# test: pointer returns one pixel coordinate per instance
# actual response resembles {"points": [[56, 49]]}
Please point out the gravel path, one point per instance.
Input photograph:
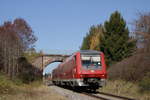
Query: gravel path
{"points": [[71, 95]]}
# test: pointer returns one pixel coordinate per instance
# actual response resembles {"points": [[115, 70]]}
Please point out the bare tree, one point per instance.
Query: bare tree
{"points": [[25, 33], [15, 38], [142, 29]]}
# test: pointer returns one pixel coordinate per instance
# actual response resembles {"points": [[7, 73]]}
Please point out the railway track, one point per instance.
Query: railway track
{"points": [[106, 96], [100, 95]]}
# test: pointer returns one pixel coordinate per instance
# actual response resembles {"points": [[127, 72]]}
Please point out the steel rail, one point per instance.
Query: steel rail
{"points": [[112, 95], [91, 95], [106, 94]]}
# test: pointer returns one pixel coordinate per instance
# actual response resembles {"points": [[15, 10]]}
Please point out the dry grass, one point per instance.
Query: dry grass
{"points": [[124, 88], [32, 92]]}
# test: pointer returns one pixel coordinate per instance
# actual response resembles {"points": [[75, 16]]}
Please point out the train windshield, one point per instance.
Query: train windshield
{"points": [[91, 61]]}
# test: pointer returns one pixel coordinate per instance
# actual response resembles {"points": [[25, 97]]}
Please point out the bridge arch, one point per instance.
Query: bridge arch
{"points": [[44, 60], [52, 61]]}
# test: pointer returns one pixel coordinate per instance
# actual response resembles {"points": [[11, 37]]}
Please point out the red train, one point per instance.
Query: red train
{"points": [[85, 68]]}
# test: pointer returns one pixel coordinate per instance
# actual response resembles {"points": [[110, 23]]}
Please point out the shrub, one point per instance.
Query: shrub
{"points": [[28, 73], [145, 84], [133, 68], [5, 84]]}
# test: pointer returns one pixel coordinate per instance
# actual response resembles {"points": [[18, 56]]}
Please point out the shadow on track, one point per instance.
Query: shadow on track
{"points": [[78, 89]]}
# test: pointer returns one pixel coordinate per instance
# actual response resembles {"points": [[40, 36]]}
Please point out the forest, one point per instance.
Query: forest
{"points": [[16, 39]]}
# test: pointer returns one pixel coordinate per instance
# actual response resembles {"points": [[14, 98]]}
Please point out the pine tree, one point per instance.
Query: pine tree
{"points": [[116, 43]]}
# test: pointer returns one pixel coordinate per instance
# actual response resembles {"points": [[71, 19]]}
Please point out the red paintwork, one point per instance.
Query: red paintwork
{"points": [[72, 69]]}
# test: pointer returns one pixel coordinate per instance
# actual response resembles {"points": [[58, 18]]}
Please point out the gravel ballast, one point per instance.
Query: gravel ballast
{"points": [[70, 95]]}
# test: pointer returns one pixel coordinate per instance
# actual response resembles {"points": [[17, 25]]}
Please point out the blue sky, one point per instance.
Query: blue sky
{"points": [[60, 25]]}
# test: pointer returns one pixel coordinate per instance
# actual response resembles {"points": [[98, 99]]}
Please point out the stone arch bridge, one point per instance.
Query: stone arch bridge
{"points": [[42, 61]]}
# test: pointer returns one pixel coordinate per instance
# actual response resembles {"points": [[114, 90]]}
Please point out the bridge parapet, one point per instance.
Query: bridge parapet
{"points": [[42, 61]]}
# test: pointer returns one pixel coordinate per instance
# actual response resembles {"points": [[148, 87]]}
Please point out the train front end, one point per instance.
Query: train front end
{"points": [[91, 69]]}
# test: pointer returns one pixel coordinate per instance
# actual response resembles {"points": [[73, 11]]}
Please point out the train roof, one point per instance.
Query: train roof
{"points": [[89, 52]]}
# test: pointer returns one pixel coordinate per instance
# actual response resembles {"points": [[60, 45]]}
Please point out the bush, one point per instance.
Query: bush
{"points": [[5, 84], [26, 77], [145, 84], [28, 73], [134, 68]]}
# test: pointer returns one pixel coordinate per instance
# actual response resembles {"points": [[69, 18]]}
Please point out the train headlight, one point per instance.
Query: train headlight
{"points": [[81, 76], [92, 71]]}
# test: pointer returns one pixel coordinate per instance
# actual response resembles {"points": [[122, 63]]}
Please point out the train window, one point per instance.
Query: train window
{"points": [[74, 60], [91, 61]]}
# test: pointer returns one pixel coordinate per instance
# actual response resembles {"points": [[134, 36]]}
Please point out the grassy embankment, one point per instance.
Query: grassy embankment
{"points": [[16, 90], [130, 77], [125, 88]]}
